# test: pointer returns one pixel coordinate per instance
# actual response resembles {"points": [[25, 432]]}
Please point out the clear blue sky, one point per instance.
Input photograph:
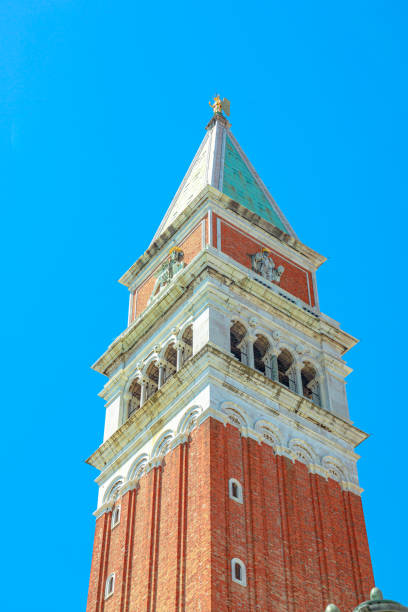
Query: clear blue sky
{"points": [[103, 105]]}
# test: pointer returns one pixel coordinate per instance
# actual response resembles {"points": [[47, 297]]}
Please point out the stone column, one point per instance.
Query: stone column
{"points": [[267, 361], [250, 349], [273, 360], [315, 388], [161, 374], [143, 384], [179, 348], [299, 387], [291, 373], [243, 347]]}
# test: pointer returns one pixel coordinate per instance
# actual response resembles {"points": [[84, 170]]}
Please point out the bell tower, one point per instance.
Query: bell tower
{"points": [[228, 476]]}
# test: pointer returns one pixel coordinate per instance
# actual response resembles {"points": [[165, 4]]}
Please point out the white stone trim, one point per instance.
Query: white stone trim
{"points": [[137, 468], [334, 468], [210, 228], [163, 443], [268, 433], [257, 408], [212, 413], [189, 420], [211, 197], [223, 292], [180, 438], [316, 464], [314, 468], [235, 415], [130, 485], [132, 296], [219, 237], [114, 489], [249, 432], [261, 235], [352, 488], [103, 508], [222, 160], [302, 451], [154, 462]]}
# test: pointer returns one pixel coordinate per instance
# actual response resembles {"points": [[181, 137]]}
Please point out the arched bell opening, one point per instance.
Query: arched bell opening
{"points": [[170, 357], [152, 375], [238, 347], [135, 391], [187, 338], [310, 384], [286, 373], [261, 346]]}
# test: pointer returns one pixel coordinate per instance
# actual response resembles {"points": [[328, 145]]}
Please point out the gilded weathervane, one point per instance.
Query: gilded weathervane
{"points": [[220, 105]]}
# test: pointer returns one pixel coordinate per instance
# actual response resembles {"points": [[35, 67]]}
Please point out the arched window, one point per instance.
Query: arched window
{"points": [[170, 357], [238, 572], [115, 516], [134, 401], [310, 384], [238, 344], [152, 374], [235, 490], [261, 346], [188, 343], [110, 585], [286, 370]]}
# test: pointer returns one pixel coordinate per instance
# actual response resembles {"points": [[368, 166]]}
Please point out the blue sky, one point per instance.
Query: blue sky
{"points": [[103, 105]]}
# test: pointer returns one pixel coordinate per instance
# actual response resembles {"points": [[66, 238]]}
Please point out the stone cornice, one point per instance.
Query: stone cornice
{"points": [[196, 372], [106, 507], [162, 242], [239, 281], [271, 229], [199, 203]]}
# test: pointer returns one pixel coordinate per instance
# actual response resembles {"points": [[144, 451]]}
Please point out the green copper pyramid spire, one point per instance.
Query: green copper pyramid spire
{"points": [[221, 163], [240, 185]]}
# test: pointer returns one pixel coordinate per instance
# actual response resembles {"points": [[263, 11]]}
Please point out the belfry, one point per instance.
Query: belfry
{"points": [[228, 472]]}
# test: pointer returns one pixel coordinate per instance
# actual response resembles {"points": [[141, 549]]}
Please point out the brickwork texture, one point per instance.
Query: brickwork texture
{"points": [[301, 537]]}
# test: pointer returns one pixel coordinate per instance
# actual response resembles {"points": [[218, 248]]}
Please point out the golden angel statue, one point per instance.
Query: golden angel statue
{"points": [[220, 105]]}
